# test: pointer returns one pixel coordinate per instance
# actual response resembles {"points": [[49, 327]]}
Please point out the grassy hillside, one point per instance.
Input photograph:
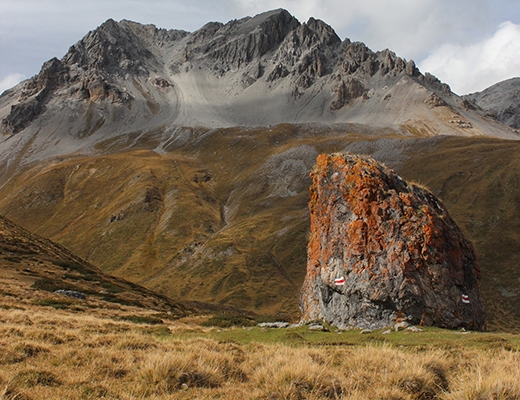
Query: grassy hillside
{"points": [[131, 353], [33, 269], [222, 215]]}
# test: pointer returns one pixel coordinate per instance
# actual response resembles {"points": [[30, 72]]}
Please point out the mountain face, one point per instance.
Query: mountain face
{"points": [[383, 251], [128, 78], [181, 161], [501, 100]]}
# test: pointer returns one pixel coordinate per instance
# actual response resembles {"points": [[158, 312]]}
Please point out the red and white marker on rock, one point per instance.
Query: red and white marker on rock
{"points": [[339, 281]]}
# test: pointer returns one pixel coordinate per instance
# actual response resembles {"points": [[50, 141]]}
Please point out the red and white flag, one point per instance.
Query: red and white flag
{"points": [[339, 281], [465, 298]]}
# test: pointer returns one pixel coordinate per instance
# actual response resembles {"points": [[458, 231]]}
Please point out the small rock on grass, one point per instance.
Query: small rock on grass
{"points": [[71, 293], [273, 324], [317, 327], [401, 325]]}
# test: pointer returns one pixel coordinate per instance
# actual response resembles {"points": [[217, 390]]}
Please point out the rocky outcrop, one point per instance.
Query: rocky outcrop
{"points": [[501, 100], [384, 251], [435, 101], [113, 48], [237, 43], [345, 91], [88, 72], [35, 95]]}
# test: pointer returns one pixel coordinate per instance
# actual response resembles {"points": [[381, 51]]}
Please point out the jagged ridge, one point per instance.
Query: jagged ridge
{"points": [[126, 77]]}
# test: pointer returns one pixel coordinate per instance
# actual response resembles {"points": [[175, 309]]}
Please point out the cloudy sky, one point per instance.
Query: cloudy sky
{"points": [[469, 44]]}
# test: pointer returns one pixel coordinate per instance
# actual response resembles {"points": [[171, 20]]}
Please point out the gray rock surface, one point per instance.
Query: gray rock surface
{"points": [[71, 293], [502, 100], [276, 325], [384, 253]]}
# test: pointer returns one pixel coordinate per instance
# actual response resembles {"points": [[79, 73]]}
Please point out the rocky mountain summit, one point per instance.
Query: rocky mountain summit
{"points": [[383, 251], [126, 78], [501, 100]]}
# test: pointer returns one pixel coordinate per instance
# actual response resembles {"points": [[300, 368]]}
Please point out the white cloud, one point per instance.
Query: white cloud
{"points": [[9, 81], [477, 66]]}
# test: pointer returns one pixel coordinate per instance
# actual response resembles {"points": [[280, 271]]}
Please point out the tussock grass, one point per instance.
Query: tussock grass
{"points": [[48, 353]]}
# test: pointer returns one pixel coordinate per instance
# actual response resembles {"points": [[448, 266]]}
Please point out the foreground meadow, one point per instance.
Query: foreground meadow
{"points": [[57, 348]]}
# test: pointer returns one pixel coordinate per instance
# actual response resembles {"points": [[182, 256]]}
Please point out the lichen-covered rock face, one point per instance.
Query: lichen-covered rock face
{"points": [[383, 251]]}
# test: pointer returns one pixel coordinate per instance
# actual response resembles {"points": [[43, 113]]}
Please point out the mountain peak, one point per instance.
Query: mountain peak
{"points": [[213, 76], [501, 100], [114, 48], [324, 30], [278, 16]]}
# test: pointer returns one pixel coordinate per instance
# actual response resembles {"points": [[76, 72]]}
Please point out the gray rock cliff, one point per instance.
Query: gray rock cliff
{"points": [[502, 100], [383, 251]]}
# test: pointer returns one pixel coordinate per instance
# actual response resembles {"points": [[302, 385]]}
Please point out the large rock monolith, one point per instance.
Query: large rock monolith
{"points": [[383, 251]]}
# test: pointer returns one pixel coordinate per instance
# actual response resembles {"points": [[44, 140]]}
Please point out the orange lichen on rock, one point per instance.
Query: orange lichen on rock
{"points": [[400, 253]]}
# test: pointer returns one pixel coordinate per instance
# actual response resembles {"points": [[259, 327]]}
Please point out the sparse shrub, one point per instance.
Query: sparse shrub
{"points": [[4, 307], [13, 259], [8, 392], [228, 320], [48, 337], [71, 265], [142, 319], [54, 303], [10, 357], [119, 300], [135, 343], [90, 391], [293, 337], [165, 374], [30, 350], [112, 288], [51, 285], [418, 387], [156, 330]]}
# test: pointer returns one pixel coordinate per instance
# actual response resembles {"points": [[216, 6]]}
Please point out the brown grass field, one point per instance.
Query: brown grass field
{"points": [[165, 227], [213, 221], [54, 347]]}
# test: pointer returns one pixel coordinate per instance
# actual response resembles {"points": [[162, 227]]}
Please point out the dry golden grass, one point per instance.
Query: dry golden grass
{"points": [[219, 207], [215, 207], [56, 354]]}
